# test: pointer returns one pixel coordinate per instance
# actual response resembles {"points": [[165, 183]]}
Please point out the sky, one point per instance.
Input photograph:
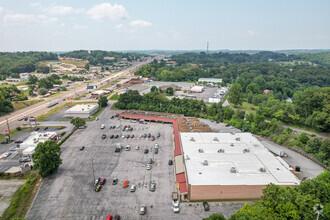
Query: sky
{"points": [[62, 25]]}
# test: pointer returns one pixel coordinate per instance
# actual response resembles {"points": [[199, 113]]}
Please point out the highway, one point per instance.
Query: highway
{"points": [[41, 107]]}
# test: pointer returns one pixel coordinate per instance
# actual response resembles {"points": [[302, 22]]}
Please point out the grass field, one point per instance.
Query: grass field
{"points": [[23, 104], [74, 62], [114, 97], [247, 107], [44, 117], [108, 84], [23, 197]]}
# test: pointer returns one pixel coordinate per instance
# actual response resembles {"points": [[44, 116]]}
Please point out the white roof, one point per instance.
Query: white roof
{"points": [[247, 164], [215, 80], [85, 108], [36, 137], [197, 88], [99, 92]]}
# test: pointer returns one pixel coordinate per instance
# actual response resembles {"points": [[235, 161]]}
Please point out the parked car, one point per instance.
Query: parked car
{"points": [[141, 135], [152, 187], [109, 217], [227, 125], [145, 135], [149, 135], [117, 217], [82, 148], [156, 151], [143, 209], [25, 159], [98, 188], [152, 138], [132, 136], [127, 136], [158, 134], [137, 147], [102, 126], [206, 206], [149, 167], [114, 181], [110, 127], [124, 129], [116, 136], [125, 185], [175, 206], [112, 136], [97, 181], [104, 136], [123, 136], [146, 151], [133, 188], [170, 162], [45, 128], [36, 129], [128, 147], [4, 142], [103, 181], [113, 127]]}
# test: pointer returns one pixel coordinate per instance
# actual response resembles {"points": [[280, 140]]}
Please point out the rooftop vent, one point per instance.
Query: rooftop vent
{"points": [[205, 163], [232, 132], [262, 169], [187, 157], [238, 139], [192, 139], [200, 150], [233, 170], [246, 150], [215, 139], [232, 144], [221, 150]]}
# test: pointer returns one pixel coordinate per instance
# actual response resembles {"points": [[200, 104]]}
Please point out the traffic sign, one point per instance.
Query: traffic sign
{"points": [[6, 131]]}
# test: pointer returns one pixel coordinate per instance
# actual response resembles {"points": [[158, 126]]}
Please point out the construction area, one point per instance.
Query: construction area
{"points": [[192, 125]]}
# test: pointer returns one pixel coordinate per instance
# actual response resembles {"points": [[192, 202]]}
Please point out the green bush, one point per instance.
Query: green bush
{"points": [[18, 129]]}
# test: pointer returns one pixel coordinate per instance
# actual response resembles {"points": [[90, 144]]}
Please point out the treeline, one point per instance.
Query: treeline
{"points": [[296, 203], [268, 75], [255, 123], [322, 58], [46, 83], [11, 64], [8, 95], [95, 57]]}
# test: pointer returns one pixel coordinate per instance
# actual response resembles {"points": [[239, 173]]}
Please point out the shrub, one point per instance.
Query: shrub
{"points": [[18, 129]]}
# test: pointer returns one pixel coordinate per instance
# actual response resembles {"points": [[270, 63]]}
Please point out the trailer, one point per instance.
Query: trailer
{"points": [[274, 150], [52, 104]]}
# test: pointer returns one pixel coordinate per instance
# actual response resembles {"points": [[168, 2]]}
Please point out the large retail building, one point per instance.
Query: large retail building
{"points": [[222, 166]]}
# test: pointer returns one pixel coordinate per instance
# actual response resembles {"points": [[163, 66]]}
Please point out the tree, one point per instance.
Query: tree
{"points": [[236, 95], [78, 122], [32, 79], [64, 89], [87, 66], [42, 92], [169, 91], [43, 69], [103, 101], [153, 89], [215, 217], [47, 157]]}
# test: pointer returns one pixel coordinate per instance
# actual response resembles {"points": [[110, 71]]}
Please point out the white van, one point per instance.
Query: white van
{"points": [[133, 188]]}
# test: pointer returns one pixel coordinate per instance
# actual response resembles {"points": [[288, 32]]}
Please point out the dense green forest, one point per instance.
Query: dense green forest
{"points": [[95, 57], [7, 95], [255, 123], [11, 64], [288, 202]]}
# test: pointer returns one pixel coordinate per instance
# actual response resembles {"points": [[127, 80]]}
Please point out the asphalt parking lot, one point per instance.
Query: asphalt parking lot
{"points": [[69, 194], [7, 189]]}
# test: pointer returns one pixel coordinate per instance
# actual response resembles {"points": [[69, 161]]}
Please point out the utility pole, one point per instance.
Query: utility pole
{"points": [[8, 129], [207, 48], [93, 170]]}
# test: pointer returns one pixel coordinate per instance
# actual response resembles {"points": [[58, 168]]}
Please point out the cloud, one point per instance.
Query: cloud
{"points": [[107, 11], [251, 33], [140, 23], [119, 26], [63, 10], [1, 9], [34, 4], [79, 27], [17, 19]]}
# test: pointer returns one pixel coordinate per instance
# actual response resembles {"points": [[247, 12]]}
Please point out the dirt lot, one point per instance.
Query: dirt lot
{"points": [[7, 189]]}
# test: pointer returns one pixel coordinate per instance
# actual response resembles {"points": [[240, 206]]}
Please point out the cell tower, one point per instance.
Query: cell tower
{"points": [[207, 48]]}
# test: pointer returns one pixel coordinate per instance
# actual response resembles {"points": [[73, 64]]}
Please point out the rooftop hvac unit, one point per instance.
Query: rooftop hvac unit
{"points": [[200, 150], [192, 139], [215, 139], [205, 163], [232, 144], [262, 169], [232, 132], [246, 150], [221, 150], [233, 170], [238, 139], [187, 157]]}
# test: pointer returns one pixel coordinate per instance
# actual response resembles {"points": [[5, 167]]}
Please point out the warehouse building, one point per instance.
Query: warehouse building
{"points": [[210, 80], [197, 89], [222, 166], [82, 111]]}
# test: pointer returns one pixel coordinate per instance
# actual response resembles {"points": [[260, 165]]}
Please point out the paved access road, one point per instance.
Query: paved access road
{"points": [[41, 108]]}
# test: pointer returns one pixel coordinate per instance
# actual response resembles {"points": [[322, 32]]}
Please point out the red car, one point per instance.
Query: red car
{"points": [[132, 136], [125, 126], [103, 181], [36, 129], [109, 217], [45, 128]]}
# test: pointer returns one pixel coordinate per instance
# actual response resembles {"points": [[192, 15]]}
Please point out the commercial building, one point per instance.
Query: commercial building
{"points": [[223, 166], [35, 138], [82, 111], [165, 87], [197, 89], [97, 94], [214, 99], [210, 80]]}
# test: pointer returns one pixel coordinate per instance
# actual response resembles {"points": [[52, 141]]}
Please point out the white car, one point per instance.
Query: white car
{"points": [[156, 146], [123, 136], [176, 206], [128, 147], [137, 147], [149, 167]]}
